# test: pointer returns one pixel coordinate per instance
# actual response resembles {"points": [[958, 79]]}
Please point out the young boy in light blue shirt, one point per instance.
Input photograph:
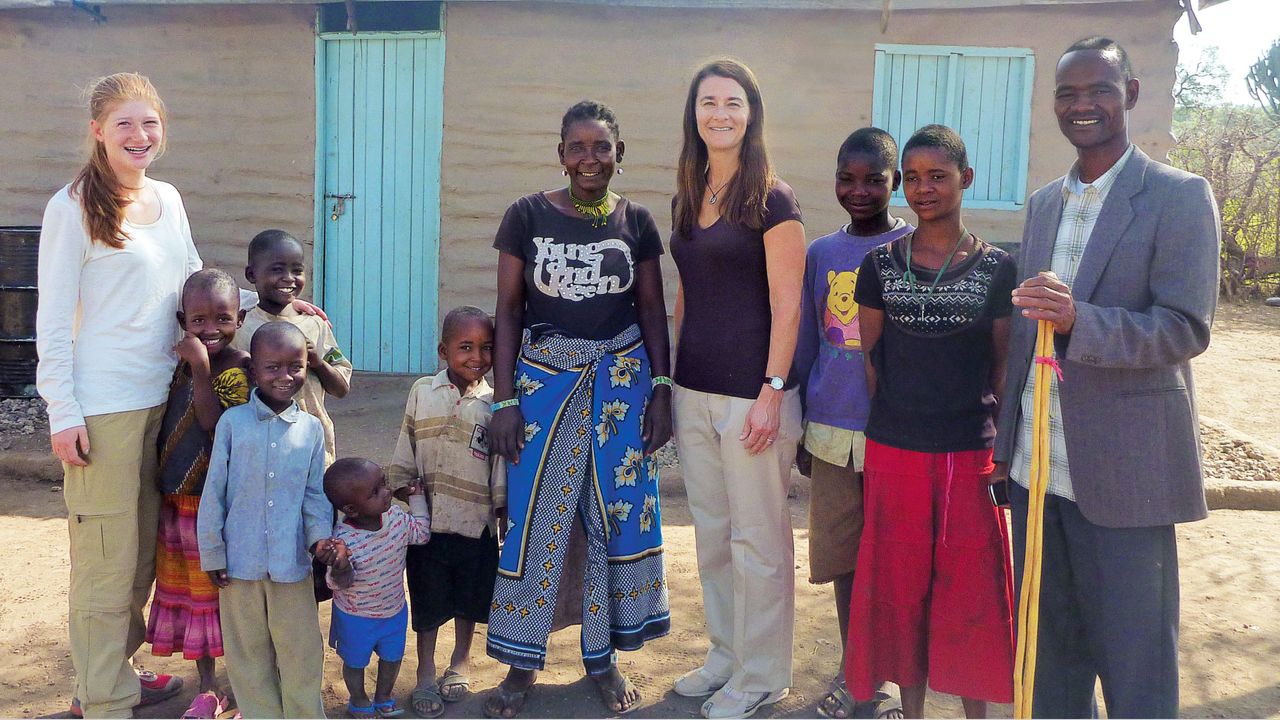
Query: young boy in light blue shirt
{"points": [[262, 515]]}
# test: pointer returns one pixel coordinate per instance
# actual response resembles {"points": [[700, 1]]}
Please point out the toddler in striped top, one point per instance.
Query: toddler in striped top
{"points": [[367, 577]]}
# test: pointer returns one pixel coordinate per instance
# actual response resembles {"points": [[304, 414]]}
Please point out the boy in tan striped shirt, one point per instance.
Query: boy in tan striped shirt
{"points": [[444, 444]]}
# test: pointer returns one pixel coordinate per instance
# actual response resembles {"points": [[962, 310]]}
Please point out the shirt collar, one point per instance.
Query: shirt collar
{"points": [[441, 380], [264, 413], [1104, 182]]}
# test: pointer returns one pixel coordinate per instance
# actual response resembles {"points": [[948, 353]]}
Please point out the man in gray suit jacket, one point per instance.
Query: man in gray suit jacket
{"points": [[1121, 255]]}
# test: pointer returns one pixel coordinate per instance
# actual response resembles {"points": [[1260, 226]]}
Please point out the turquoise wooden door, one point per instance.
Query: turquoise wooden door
{"points": [[379, 126]]}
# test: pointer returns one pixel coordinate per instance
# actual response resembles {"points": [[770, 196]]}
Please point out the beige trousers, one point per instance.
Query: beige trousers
{"points": [[113, 509], [273, 648], [746, 553]]}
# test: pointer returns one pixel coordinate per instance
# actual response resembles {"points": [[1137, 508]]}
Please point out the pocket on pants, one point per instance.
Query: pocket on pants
{"points": [[104, 558]]}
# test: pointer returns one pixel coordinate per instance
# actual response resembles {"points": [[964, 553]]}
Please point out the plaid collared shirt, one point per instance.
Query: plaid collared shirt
{"points": [[1081, 206]]}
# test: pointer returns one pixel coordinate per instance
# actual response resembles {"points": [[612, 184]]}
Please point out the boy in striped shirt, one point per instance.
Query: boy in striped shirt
{"points": [[369, 610]]}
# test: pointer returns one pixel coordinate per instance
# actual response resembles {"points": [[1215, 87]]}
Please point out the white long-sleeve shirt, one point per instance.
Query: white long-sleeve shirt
{"points": [[106, 323]]}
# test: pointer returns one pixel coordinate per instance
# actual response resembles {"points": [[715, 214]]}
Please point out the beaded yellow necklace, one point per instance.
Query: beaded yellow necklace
{"points": [[595, 210]]}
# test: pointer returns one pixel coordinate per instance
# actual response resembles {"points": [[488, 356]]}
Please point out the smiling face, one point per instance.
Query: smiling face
{"points": [[1091, 97], [863, 185], [278, 274], [132, 133], [279, 367], [468, 352], [211, 315], [722, 113], [589, 153], [933, 183]]}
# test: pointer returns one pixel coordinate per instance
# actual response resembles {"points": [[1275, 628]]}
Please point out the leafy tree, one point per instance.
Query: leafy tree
{"points": [[1201, 84], [1237, 149]]}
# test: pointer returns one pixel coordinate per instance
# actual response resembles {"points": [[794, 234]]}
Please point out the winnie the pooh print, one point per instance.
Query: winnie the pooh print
{"points": [[840, 318]]}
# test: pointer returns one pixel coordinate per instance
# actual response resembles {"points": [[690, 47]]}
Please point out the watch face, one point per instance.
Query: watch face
{"points": [[776, 383]]}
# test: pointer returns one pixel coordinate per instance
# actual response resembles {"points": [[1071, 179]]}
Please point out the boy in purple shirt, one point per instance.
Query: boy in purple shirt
{"points": [[832, 376]]}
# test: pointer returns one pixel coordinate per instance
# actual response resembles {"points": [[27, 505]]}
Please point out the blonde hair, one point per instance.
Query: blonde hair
{"points": [[99, 191]]}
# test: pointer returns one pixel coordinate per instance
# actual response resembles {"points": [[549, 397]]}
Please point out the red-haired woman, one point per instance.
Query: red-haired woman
{"points": [[115, 249], [738, 243]]}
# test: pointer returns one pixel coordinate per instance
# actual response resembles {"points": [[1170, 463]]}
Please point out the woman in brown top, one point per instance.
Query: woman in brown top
{"points": [[738, 243], [582, 401]]}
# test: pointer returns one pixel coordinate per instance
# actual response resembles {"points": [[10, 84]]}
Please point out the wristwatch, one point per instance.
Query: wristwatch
{"points": [[775, 382]]}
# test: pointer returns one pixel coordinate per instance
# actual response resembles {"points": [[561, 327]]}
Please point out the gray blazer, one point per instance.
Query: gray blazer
{"points": [[1145, 294]]}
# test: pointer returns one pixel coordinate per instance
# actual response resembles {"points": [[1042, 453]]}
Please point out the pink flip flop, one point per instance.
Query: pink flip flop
{"points": [[205, 706]]}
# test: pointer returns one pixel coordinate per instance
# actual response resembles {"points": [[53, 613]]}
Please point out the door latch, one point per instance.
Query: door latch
{"points": [[339, 205]]}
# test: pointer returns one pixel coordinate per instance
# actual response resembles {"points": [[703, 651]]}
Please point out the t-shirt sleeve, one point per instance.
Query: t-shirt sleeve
{"points": [[648, 240], [780, 206], [1002, 286], [514, 230], [332, 352], [868, 292]]}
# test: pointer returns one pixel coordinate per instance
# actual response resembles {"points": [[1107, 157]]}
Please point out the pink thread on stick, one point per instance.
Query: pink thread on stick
{"points": [[1051, 362]]}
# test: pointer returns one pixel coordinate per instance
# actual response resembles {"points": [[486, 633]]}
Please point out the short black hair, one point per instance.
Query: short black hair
{"points": [[589, 110], [870, 141], [1106, 46], [276, 333], [214, 282], [268, 239], [942, 138], [458, 318], [340, 475]]}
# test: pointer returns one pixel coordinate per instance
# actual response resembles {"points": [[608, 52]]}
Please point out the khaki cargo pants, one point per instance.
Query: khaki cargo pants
{"points": [[112, 511]]}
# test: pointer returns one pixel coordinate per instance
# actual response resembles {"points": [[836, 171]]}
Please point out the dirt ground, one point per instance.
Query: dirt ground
{"points": [[1230, 571], [1237, 378]]}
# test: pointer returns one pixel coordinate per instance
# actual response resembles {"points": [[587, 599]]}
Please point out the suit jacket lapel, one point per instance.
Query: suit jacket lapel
{"points": [[1117, 213], [1044, 233], [1037, 256]]}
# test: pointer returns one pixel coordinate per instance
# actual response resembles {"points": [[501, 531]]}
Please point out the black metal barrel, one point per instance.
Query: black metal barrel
{"points": [[19, 254]]}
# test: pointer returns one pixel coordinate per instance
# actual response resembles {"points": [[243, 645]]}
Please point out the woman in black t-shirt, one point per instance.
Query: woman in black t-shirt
{"points": [[582, 401], [932, 590], [738, 242]]}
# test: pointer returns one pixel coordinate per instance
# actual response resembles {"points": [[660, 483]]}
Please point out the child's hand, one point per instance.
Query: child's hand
{"points": [[330, 551], [502, 525], [219, 578], [341, 557], [313, 356], [415, 488], [194, 352], [804, 460]]}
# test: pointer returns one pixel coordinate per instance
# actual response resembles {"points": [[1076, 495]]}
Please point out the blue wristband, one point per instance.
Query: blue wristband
{"points": [[504, 404]]}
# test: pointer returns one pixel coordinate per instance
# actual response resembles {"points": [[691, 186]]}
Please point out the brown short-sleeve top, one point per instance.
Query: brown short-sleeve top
{"points": [[724, 338]]}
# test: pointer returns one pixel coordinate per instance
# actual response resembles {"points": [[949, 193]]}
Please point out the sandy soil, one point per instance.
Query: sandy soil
{"points": [[1230, 570], [1238, 377]]}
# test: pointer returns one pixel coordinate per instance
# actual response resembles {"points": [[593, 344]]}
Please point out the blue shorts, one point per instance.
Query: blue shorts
{"points": [[356, 638]]}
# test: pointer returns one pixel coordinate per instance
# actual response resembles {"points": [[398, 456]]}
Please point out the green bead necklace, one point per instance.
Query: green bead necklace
{"points": [[595, 210], [910, 275]]}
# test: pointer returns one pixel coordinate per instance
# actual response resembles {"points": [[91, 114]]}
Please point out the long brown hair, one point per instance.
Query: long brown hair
{"points": [[744, 197], [99, 191]]}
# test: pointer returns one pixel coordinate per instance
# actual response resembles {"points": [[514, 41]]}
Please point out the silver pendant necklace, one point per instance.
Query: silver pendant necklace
{"points": [[715, 193]]}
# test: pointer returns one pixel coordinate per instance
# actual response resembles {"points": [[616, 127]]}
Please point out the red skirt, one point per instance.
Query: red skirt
{"points": [[933, 589], [184, 610]]}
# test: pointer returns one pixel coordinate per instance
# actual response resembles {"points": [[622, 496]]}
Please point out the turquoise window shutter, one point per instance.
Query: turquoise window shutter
{"points": [[982, 93]]}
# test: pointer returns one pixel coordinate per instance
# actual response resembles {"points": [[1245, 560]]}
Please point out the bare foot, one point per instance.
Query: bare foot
{"points": [[455, 684], [508, 698], [617, 692]]}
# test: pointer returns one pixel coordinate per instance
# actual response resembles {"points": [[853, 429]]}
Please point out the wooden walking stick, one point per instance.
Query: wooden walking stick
{"points": [[1024, 673]]}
